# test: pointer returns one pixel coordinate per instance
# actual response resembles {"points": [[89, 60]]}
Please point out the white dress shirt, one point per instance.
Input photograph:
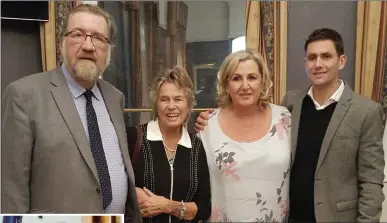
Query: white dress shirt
{"points": [[334, 98]]}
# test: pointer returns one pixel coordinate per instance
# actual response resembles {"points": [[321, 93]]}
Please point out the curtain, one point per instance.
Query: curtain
{"points": [[62, 9], [50, 31], [266, 32]]}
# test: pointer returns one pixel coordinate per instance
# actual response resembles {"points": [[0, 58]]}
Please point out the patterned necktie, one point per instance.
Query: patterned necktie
{"points": [[97, 150]]}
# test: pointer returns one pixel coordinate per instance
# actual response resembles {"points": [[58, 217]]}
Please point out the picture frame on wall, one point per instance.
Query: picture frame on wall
{"points": [[201, 73], [204, 80]]}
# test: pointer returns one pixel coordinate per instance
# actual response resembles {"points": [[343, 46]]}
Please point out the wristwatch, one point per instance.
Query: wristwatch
{"points": [[183, 209]]}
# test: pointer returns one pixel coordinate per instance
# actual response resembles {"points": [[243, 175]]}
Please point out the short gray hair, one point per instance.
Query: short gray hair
{"points": [[96, 10], [181, 79]]}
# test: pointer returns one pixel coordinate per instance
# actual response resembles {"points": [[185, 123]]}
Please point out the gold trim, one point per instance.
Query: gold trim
{"points": [[283, 45], [280, 50], [367, 36], [359, 45], [47, 39], [43, 46], [150, 110]]}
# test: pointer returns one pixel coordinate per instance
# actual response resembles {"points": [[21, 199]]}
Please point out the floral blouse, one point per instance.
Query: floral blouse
{"points": [[249, 181]]}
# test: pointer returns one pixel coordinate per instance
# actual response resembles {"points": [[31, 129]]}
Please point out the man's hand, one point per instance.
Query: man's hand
{"points": [[202, 120], [154, 205]]}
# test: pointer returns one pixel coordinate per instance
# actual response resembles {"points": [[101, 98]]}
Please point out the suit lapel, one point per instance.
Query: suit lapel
{"points": [[112, 102], [66, 106], [296, 114], [337, 117]]}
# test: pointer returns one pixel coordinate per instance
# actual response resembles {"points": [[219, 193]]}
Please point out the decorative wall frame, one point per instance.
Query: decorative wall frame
{"points": [[200, 72], [371, 38]]}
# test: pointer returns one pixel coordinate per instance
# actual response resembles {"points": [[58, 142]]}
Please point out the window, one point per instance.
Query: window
{"points": [[238, 43]]}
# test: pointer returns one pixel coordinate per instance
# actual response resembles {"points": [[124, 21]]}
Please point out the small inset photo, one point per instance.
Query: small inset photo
{"points": [[61, 218]]}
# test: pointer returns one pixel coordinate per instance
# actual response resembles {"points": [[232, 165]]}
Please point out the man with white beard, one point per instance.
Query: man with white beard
{"points": [[64, 146]]}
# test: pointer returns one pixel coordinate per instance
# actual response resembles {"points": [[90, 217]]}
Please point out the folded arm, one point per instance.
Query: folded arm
{"points": [[199, 209], [152, 205]]}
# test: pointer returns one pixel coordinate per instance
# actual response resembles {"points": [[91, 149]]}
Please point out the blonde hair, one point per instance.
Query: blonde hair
{"points": [[179, 77], [96, 10], [229, 66]]}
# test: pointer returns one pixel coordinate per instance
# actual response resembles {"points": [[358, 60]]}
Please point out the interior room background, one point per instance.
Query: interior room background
{"points": [[198, 35]]}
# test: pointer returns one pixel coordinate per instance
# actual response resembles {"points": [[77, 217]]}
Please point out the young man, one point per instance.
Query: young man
{"points": [[64, 146], [337, 153]]}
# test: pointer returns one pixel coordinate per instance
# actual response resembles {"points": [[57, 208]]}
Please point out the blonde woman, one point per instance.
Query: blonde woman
{"points": [[247, 141], [170, 165]]}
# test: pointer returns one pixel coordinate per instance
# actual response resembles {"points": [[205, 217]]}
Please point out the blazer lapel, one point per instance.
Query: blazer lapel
{"points": [[337, 117], [296, 114], [66, 106], [116, 116]]}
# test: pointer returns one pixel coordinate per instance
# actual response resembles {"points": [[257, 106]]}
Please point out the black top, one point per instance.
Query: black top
{"points": [[311, 132], [191, 181]]}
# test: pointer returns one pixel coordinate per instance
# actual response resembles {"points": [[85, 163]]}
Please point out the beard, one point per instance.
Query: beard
{"points": [[84, 69], [87, 70]]}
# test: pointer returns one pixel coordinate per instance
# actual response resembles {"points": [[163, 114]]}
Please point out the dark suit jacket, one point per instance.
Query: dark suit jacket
{"points": [[46, 160], [349, 174]]}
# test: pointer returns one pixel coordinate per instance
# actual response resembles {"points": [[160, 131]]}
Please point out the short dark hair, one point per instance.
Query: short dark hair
{"points": [[326, 34]]}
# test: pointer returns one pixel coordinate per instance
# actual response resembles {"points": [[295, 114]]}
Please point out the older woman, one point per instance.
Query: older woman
{"points": [[170, 165], [247, 141]]}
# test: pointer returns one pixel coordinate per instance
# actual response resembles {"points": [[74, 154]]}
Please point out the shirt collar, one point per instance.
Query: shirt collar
{"points": [[76, 89], [153, 133], [334, 97]]}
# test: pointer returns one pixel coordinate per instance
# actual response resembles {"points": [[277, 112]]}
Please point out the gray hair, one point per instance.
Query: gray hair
{"points": [[94, 9], [181, 79]]}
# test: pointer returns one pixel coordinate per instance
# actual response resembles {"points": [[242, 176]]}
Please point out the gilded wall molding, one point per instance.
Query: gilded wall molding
{"points": [[47, 39], [280, 50], [370, 39]]}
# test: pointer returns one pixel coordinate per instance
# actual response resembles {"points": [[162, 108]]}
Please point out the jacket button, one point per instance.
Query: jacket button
{"points": [[98, 190]]}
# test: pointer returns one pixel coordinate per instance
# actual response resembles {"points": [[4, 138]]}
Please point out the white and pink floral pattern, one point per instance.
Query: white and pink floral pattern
{"points": [[249, 181]]}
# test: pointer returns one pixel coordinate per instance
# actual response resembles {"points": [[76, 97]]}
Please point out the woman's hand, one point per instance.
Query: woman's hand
{"points": [[141, 195], [154, 205]]}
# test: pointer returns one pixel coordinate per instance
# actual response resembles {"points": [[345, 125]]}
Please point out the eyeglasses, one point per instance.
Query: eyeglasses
{"points": [[80, 37]]}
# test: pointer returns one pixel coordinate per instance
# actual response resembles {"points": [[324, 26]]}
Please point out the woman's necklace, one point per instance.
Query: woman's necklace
{"points": [[170, 152]]}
